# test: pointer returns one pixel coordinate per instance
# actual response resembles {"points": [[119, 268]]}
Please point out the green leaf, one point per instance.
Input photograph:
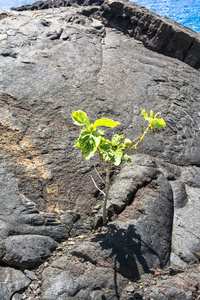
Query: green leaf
{"points": [[127, 158], [80, 118], [157, 115], [106, 151], [103, 142], [83, 138], [157, 124], [96, 136], [145, 115], [116, 138], [117, 158], [105, 122], [88, 151], [91, 128], [154, 123], [88, 142]]}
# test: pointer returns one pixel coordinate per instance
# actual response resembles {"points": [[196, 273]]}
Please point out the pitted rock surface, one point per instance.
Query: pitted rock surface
{"points": [[157, 33], [11, 281], [59, 60]]}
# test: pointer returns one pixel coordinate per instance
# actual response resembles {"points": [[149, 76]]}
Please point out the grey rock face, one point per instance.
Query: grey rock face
{"points": [[46, 193], [24, 217], [157, 33], [103, 252], [180, 195], [62, 286], [27, 251], [186, 227], [46, 4], [143, 200], [22, 227], [182, 287], [96, 75], [90, 284], [141, 226], [11, 281]]}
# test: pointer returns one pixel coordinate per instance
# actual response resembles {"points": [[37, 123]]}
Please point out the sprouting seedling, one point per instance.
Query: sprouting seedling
{"points": [[91, 140]]}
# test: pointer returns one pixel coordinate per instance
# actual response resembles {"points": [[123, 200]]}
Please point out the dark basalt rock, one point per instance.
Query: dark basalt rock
{"points": [[27, 251], [182, 287], [11, 281], [56, 4], [24, 216], [3, 15], [157, 33], [46, 192], [102, 251], [98, 283]]}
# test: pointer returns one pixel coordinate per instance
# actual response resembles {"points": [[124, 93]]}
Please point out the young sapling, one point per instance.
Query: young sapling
{"points": [[91, 140]]}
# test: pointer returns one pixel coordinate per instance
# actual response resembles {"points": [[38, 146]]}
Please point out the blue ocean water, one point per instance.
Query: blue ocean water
{"points": [[186, 12], [7, 4]]}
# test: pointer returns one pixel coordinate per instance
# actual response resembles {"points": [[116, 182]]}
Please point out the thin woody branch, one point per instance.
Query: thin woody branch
{"points": [[97, 186], [99, 175], [142, 131], [142, 137]]}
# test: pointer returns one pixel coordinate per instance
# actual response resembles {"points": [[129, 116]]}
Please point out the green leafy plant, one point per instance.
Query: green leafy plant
{"points": [[91, 140]]}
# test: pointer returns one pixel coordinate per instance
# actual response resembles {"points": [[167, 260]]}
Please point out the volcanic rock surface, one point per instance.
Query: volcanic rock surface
{"points": [[58, 57]]}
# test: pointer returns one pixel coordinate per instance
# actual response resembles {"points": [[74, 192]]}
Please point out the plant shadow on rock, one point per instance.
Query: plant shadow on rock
{"points": [[126, 249], [132, 243]]}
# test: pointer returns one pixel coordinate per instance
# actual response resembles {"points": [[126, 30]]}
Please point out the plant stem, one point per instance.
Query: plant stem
{"points": [[101, 159], [142, 137], [106, 192], [138, 136]]}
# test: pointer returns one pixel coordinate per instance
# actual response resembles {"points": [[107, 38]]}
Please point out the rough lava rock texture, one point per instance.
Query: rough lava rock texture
{"points": [[60, 56], [11, 281], [157, 33]]}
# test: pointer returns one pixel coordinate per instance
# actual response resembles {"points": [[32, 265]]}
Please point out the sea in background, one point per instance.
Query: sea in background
{"points": [[186, 12], [7, 4]]}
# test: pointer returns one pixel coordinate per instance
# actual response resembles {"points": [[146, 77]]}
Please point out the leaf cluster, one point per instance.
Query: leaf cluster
{"points": [[91, 138], [154, 123]]}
